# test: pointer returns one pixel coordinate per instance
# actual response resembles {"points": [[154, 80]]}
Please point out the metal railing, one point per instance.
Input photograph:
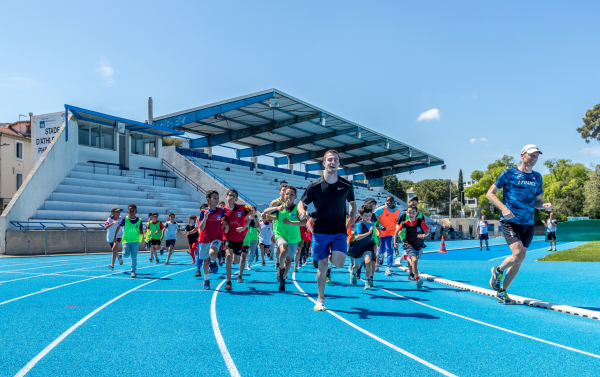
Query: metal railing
{"points": [[184, 177], [56, 225], [219, 180]]}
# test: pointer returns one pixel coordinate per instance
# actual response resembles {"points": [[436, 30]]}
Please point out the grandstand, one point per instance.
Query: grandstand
{"points": [[97, 161]]}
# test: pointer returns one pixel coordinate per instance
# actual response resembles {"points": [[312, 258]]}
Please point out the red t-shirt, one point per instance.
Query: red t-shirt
{"points": [[213, 230], [236, 218], [305, 234], [412, 223]]}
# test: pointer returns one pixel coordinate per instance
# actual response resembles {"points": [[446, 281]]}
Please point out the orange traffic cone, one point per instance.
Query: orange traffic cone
{"points": [[443, 246]]}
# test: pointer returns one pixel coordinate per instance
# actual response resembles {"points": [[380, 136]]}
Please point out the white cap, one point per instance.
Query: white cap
{"points": [[530, 148]]}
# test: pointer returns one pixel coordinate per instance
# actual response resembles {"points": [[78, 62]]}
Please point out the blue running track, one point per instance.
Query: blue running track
{"points": [[70, 315]]}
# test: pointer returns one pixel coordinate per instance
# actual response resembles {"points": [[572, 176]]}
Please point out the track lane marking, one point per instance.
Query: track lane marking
{"points": [[528, 251]]}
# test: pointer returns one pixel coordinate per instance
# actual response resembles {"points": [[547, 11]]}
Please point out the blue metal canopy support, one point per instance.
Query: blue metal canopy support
{"points": [[313, 155], [366, 157], [233, 135], [281, 145]]}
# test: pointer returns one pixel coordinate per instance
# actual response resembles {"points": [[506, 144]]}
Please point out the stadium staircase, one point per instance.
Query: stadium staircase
{"points": [[85, 195]]}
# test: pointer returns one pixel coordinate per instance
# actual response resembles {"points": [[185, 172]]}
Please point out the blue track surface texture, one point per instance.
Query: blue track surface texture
{"points": [[70, 315]]}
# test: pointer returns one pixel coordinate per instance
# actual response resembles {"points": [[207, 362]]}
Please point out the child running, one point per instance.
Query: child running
{"points": [[416, 231], [287, 233], [362, 246], [170, 235], [211, 224], [238, 218], [156, 229], [133, 232], [247, 253], [275, 203], [264, 238], [192, 235], [111, 225]]}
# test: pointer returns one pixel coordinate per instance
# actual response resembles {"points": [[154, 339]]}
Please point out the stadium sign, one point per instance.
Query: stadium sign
{"points": [[45, 127]]}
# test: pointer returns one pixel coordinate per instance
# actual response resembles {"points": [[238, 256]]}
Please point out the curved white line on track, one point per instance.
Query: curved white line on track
{"points": [[57, 341], [490, 325], [392, 346], [53, 273], [529, 251]]}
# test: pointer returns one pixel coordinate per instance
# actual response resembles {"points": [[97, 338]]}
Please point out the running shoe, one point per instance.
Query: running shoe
{"points": [[411, 277], [376, 267], [368, 285], [496, 279], [280, 277], [549, 249], [133, 275], [277, 266], [151, 259], [167, 262], [503, 298], [328, 281], [388, 272], [350, 268], [396, 252], [282, 286], [206, 285], [270, 258], [419, 283], [329, 265], [240, 280], [248, 268], [228, 286], [554, 249], [162, 250], [320, 305], [214, 267], [295, 269], [111, 267], [315, 263], [353, 279], [198, 273], [262, 264], [156, 261], [380, 259], [120, 259], [487, 248], [193, 262]]}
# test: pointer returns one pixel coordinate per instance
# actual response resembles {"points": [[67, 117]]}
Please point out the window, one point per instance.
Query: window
{"points": [[19, 180], [97, 136], [472, 201], [18, 150], [143, 144]]}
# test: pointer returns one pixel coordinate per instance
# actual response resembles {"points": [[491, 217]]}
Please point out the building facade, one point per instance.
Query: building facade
{"points": [[15, 158]]}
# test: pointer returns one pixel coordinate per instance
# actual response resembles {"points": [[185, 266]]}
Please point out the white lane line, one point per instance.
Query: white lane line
{"points": [[215, 324], [35, 268], [54, 273], [395, 348], [57, 341], [64, 285], [172, 290], [490, 325], [529, 251]]}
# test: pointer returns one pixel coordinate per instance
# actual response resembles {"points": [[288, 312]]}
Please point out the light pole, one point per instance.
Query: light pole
{"points": [[450, 202]]}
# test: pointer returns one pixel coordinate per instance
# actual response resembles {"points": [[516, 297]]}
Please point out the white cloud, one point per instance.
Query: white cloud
{"points": [[17, 82], [594, 151], [105, 70], [482, 140], [429, 115]]}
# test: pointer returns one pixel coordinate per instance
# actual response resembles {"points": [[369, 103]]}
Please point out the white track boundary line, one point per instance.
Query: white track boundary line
{"points": [[523, 300], [53, 273], [490, 325], [75, 282], [529, 251], [57, 341], [373, 336]]}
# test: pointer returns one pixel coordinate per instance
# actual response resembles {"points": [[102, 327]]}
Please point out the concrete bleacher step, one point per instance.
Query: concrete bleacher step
{"points": [[104, 207], [85, 216], [108, 184], [122, 201]]}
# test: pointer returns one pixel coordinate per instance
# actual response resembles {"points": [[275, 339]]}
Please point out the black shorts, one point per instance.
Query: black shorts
{"points": [[236, 246], [267, 247], [154, 242], [170, 243], [517, 232], [245, 249], [551, 236]]}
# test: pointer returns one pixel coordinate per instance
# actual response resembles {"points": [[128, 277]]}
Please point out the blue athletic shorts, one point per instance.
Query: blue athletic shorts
{"points": [[323, 244]]}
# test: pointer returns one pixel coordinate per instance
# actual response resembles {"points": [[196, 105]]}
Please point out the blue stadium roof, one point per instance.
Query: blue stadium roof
{"points": [[273, 121]]}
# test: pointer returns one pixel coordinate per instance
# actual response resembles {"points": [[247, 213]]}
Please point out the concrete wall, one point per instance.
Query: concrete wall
{"points": [[9, 165], [50, 170], [33, 242]]}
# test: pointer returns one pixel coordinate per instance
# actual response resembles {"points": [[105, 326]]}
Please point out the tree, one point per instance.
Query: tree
{"points": [[171, 141], [564, 188], [485, 180], [436, 192], [397, 187], [591, 189], [461, 187], [591, 125]]}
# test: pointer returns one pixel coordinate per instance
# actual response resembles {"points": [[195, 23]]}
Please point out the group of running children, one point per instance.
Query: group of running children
{"points": [[230, 233]]}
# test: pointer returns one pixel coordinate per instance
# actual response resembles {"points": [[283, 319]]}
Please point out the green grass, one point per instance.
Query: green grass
{"points": [[590, 252]]}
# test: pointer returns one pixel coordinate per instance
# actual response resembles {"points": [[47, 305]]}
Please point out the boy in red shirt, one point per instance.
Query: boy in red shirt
{"points": [[416, 231], [238, 218]]}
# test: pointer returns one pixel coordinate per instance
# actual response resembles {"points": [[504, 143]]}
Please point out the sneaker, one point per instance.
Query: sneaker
{"points": [[282, 286], [315, 263], [248, 268], [328, 281], [503, 298], [496, 279], [295, 269], [350, 268], [162, 250], [329, 265], [167, 262], [388, 272], [240, 280], [193, 262], [480, 249], [111, 267], [270, 258], [156, 261], [151, 259], [198, 273], [549, 249], [280, 277], [396, 253], [221, 262], [411, 277], [376, 267], [228, 286], [353, 279], [262, 264], [554, 249], [320, 305], [487, 248], [380, 260], [370, 281], [214, 267], [419, 283], [133, 275], [120, 259], [368, 285], [206, 285], [277, 266]]}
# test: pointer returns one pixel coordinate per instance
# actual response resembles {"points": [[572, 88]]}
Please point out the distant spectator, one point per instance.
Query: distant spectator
{"points": [[451, 232]]}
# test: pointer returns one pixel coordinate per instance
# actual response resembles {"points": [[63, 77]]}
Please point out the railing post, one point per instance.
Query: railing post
{"points": [[46, 247]]}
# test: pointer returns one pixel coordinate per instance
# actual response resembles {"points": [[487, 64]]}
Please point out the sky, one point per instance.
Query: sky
{"points": [[465, 81]]}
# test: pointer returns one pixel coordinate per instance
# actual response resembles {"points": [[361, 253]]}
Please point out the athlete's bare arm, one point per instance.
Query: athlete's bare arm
{"points": [[539, 204], [301, 211], [353, 209], [491, 195]]}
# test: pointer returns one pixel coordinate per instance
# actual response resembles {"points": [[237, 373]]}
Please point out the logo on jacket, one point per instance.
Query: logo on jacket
{"points": [[218, 217], [239, 214]]}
